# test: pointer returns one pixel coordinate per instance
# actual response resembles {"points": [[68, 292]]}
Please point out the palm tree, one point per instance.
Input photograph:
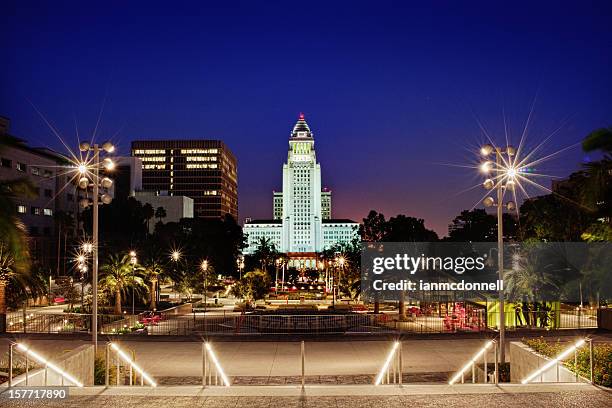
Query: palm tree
{"points": [[152, 270], [64, 223], [119, 275], [596, 189], [600, 139], [265, 253], [7, 272], [160, 213], [148, 212], [13, 235]]}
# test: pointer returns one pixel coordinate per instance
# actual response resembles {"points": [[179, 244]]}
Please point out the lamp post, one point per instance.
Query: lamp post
{"points": [[133, 261], [92, 178], [277, 262], [340, 260], [175, 256], [204, 267], [503, 180]]}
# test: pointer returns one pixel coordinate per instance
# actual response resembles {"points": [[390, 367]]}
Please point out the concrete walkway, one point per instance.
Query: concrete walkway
{"points": [[333, 391]]}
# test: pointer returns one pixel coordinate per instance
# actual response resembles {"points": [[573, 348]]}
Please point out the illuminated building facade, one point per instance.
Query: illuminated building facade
{"points": [[302, 225], [204, 170]]}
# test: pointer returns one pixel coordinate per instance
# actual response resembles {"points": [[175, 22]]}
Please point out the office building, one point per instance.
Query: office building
{"points": [[204, 170]]}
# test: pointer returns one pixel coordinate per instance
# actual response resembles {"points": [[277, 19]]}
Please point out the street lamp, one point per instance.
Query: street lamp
{"points": [[92, 178], [133, 261], [277, 262], [240, 263], [502, 175], [204, 267]]}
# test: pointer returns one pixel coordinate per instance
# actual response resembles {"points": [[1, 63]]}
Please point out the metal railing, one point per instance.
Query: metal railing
{"points": [[391, 371], [212, 372], [222, 323], [131, 369], [482, 353], [69, 323], [557, 363], [28, 353]]}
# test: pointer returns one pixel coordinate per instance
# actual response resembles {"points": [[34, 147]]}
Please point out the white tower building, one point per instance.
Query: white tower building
{"points": [[301, 221]]}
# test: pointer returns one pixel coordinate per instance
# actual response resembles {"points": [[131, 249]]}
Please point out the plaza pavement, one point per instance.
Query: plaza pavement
{"points": [[533, 395]]}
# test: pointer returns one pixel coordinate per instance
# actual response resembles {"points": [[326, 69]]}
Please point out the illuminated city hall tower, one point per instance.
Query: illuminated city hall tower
{"points": [[301, 197], [302, 224]]}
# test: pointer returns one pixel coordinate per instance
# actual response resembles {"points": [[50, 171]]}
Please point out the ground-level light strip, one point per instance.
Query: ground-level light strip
{"points": [[556, 360], [133, 364], [385, 367], [473, 361], [31, 353]]}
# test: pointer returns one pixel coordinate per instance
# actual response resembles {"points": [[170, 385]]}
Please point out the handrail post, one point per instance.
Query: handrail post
{"points": [[303, 364], [496, 365], [107, 365], [486, 370], [203, 364], [10, 362], [400, 364], [591, 358], [118, 367], [27, 362], [473, 373], [46, 373], [576, 362]]}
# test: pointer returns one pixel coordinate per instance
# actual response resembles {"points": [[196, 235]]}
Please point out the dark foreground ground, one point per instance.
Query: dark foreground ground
{"points": [[557, 399]]}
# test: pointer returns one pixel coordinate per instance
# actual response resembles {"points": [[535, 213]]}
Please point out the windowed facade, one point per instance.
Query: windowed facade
{"points": [[204, 170], [38, 165]]}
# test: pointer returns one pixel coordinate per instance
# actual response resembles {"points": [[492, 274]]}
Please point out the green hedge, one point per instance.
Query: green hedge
{"points": [[602, 358]]}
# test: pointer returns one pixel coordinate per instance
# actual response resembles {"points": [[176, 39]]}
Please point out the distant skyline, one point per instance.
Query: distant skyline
{"points": [[391, 91]]}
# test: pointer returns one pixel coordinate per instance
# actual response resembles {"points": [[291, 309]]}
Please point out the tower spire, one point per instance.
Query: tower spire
{"points": [[301, 128]]}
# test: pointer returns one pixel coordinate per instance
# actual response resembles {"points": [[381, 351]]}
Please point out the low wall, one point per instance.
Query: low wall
{"points": [[185, 308], [78, 363], [524, 361]]}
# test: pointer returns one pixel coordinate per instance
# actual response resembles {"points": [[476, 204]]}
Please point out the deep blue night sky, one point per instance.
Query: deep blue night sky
{"points": [[390, 90]]}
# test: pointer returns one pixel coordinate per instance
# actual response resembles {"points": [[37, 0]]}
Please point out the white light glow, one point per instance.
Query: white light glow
{"points": [[472, 361], [213, 356], [384, 368], [49, 364], [485, 167], [551, 363], [135, 366]]}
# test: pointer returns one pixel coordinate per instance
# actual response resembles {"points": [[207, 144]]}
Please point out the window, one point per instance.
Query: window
{"points": [[21, 167], [35, 210], [48, 192], [21, 209], [70, 197], [7, 163], [36, 171], [48, 212]]}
